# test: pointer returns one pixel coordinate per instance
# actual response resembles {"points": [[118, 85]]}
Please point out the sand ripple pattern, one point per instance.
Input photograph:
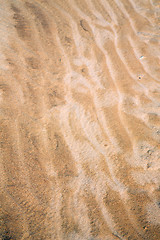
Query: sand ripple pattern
{"points": [[80, 119]]}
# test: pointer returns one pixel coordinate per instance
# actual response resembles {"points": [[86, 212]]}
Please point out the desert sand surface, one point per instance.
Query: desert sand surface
{"points": [[80, 119]]}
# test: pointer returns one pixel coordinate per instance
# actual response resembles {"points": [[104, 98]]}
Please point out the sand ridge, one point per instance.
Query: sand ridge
{"points": [[80, 119]]}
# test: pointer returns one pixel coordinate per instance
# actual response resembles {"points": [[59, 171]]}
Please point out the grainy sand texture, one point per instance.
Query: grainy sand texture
{"points": [[80, 119]]}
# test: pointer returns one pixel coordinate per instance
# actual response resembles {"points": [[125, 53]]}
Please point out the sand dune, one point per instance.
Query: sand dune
{"points": [[80, 119]]}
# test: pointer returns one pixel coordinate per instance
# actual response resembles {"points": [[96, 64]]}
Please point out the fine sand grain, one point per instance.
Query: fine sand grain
{"points": [[80, 119]]}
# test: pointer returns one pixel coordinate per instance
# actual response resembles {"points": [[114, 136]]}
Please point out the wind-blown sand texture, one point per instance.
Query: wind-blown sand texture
{"points": [[80, 119]]}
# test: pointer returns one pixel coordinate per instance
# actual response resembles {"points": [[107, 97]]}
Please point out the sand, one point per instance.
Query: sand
{"points": [[80, 119]]}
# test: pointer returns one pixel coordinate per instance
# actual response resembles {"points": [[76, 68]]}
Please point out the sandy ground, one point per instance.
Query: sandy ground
{"points": [[80, 119]]}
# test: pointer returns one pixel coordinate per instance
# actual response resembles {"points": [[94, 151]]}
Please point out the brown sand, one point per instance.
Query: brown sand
{"points": [[80, 119]]}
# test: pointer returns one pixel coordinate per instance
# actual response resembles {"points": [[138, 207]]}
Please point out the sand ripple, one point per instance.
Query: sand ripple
{"points": [[80, 119]]}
